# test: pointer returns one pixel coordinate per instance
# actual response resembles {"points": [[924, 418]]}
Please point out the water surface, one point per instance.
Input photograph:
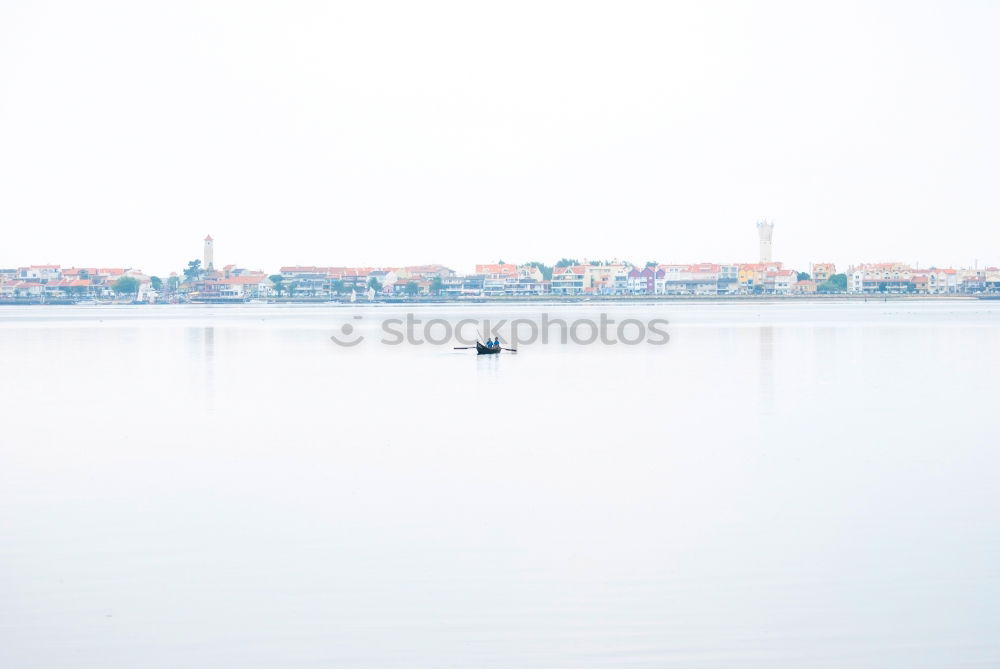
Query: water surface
{"points": [[781, 485]]}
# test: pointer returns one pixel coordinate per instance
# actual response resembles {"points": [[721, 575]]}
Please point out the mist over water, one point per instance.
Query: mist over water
{"points": [[780, 485]]}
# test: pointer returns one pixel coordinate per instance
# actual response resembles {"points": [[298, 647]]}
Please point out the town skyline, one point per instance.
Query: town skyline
{"points": [[751, 254], [205, 280]]}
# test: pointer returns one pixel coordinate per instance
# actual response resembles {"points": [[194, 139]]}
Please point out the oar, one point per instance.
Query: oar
{"points": [[512, 350]]}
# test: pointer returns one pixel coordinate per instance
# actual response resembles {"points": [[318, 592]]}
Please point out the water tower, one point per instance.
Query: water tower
{"points": [[765, 230]]}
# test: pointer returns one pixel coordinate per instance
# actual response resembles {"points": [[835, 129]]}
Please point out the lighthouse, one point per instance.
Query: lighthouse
{"points": [[208, 264]]}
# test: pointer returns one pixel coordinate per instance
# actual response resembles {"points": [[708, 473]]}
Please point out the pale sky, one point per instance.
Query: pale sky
{"points": [[373, 133]]}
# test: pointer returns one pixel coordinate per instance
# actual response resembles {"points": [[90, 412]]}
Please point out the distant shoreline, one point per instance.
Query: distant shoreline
{"points": [[533, 299]]}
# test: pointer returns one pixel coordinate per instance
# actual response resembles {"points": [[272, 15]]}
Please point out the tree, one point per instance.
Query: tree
{"points": [[374, 284], [437, 285], [126, 285], [567, 262], [172, 283], [543, 268], [837, 283], [651, 263], [276, 279], [193, 271], [157, 283], [337, 286], [411, 288], [804, 276]]}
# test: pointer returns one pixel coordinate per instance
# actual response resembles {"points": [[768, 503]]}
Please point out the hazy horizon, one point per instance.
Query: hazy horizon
{"points": [[393, 134]]}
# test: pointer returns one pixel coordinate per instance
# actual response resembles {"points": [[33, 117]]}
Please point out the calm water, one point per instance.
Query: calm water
{"points": [[808, 485]]}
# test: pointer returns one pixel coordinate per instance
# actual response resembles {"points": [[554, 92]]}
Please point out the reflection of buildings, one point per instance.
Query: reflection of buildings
{"points": [[209, 350], [201, 344], [766, 372], [209, 344]]}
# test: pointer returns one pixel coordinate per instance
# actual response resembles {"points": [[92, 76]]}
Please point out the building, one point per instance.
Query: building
{"points": [[804, 287], [528, 285], [780, 282], [39, 273], [606, 278], [765, 231], [209, 262], [498, 270], [886, 277], [676, 279], [472, 284], [424, 272], [306, 280], [385, 278], [822, 271], [751, 276], [704, 278], [71, 287], [353, 278], [452, 286], [24, 289], [569, 280], [245, 287], [530, 272], [645, 281], [993, 279]]}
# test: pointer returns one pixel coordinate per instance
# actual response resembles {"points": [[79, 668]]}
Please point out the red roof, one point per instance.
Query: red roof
{"points": [[503, 269], [705, 267], [70, 282], [243, 280]]}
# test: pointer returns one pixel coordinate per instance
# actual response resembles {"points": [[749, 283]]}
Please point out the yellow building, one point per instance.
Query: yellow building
{"points": [[752, 275], [822, 271]]}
